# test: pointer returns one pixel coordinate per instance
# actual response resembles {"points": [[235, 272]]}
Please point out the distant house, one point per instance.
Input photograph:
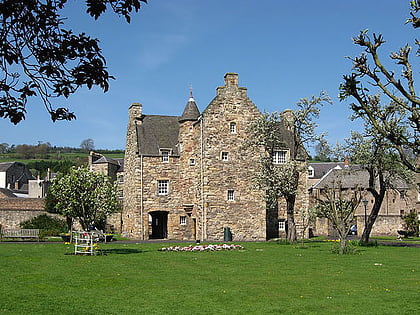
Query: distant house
{"points": [[113, 168], [15, 176], [400, 200]]}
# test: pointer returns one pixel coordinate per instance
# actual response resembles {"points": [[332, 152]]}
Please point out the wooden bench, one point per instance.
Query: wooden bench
{"points": [[19, 233]]}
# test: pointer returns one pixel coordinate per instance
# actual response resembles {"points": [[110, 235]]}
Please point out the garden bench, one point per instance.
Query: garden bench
{"points": [[19, 233]]}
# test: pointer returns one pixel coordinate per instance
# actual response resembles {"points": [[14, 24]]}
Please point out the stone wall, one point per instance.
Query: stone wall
{"points": [[199, 178], [246, 214], [16, 210]]}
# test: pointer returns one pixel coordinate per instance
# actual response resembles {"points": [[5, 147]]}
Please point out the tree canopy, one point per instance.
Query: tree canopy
{"points": [[40, 58], [388, 102], [282, 180], [83, 195]]}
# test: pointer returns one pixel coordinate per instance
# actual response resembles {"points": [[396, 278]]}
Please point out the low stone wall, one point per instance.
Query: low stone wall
{"points": [[16, 210], [384, 225]]}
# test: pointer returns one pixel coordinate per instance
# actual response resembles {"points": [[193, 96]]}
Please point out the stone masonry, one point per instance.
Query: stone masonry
{"points": [[189, 178]]}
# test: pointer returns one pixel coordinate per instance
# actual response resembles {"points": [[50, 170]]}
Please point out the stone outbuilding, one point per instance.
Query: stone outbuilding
{"points": [[189, 177]]}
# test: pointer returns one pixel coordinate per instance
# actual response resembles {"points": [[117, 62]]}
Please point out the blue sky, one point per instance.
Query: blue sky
{"points": [[282, 51]]}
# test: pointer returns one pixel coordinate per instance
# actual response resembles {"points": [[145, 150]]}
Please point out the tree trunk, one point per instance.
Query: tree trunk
{"points": [[291, 226], [343, 242], [379, 197]]}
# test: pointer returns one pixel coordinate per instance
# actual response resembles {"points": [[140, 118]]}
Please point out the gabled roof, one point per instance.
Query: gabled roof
{"points": [[320, 169], [157, 132], [5, 166], [104, 159], [351, 177]]}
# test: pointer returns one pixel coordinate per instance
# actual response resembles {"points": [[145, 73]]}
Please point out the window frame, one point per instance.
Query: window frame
{"points": [[163, 187], [224, 156], [231, 195], [282, 225], [232, 127], [280, 157], [165, 155]]}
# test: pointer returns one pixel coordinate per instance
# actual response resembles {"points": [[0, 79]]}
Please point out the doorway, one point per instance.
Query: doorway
{"points": [[159, 224]]}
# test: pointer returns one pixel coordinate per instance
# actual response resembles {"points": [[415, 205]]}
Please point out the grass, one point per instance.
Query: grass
{"points": [[265, 278]]}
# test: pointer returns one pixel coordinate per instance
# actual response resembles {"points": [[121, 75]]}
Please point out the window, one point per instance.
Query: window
{"points": [[120, 194], [163, 187], [282, 225], [231, 195], [232, 127], [280, 157], [165, 156], [192, 161], [225, 156], [310, 172], [183, 220], [120, 179]]}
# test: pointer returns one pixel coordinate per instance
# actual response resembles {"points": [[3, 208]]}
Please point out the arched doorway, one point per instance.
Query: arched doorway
{"points": [[159, 224]]}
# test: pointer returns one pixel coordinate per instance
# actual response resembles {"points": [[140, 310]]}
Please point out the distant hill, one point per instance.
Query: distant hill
{"points": [[39, 158]]}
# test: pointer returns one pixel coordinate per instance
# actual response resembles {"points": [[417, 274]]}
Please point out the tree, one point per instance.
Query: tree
{"points": [[83, 195], [87, 144], [323, 151], [39, 57], [411, 224], [4, 147], [377, 156], [282, 180], [339, 207], [392, 108]]}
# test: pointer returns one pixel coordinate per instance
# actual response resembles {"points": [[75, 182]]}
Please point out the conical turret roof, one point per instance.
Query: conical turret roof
{"points": [[191, 112]]}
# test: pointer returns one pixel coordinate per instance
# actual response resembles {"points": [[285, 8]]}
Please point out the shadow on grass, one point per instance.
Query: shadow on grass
{"points": [[121, 251]]}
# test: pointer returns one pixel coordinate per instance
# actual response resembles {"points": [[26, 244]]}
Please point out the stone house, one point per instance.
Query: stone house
{"points": [[14, 176], [400, 200], [189, 178]]}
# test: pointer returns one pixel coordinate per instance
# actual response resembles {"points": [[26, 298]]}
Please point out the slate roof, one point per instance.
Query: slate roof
{"points": [[158, 132], [118, 162], [5, 166], [7, 193], [104, 159], [351, 177], [320, 169], [191, 112]]}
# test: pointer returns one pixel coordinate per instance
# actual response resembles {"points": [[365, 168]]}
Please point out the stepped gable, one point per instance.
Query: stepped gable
{"points": [[157, 132]]}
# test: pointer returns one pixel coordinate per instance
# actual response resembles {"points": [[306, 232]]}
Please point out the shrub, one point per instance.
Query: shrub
{"points": [[48, 225], [411, 224], [349, 249]]}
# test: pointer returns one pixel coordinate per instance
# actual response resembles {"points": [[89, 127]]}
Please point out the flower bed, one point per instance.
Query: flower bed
{"points": [[201, 248]]}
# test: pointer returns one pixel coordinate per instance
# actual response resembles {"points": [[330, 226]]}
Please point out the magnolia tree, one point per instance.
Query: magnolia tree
{"points": [[268, 133], [385, 100], [86, 196], [339, 206]]}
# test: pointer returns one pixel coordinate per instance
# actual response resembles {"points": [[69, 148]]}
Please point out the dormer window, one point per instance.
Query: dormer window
{"points": [[165, 155], [280, 157], [232, 127]]}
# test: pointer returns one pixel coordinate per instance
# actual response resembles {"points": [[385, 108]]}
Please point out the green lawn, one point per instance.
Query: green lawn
{"points": [[264, 278]]}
